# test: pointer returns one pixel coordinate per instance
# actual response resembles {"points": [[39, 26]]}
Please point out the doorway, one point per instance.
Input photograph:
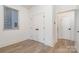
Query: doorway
{"points": [[66, 25]]}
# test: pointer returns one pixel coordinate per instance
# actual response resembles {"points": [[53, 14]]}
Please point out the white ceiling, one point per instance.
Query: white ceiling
{"points": [[28, 6]]}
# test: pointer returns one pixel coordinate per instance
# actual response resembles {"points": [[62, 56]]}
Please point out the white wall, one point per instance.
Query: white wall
{"points": [[61, 8], [48, 12], [25, 31], [8, 37]]}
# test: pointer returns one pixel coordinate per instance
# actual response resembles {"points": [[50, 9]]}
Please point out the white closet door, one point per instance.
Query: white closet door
{"points": [[66, 25], [38, 24]]}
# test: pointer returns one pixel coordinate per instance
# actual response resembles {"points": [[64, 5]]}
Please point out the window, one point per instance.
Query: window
{"points": [[10, 18]]}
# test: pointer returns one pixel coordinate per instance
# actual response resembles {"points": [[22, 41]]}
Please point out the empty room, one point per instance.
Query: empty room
{"points": [[39, 28]]}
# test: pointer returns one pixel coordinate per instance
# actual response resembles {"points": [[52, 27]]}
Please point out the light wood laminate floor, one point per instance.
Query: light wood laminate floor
{"points": [[31, 46]]}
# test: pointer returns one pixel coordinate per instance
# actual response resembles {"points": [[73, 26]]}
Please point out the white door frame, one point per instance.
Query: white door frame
{"points": [[57, 23]]}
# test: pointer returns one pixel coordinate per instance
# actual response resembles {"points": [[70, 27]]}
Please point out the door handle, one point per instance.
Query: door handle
{"points": [[77, 31], [37, 29], [69, 28]]}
